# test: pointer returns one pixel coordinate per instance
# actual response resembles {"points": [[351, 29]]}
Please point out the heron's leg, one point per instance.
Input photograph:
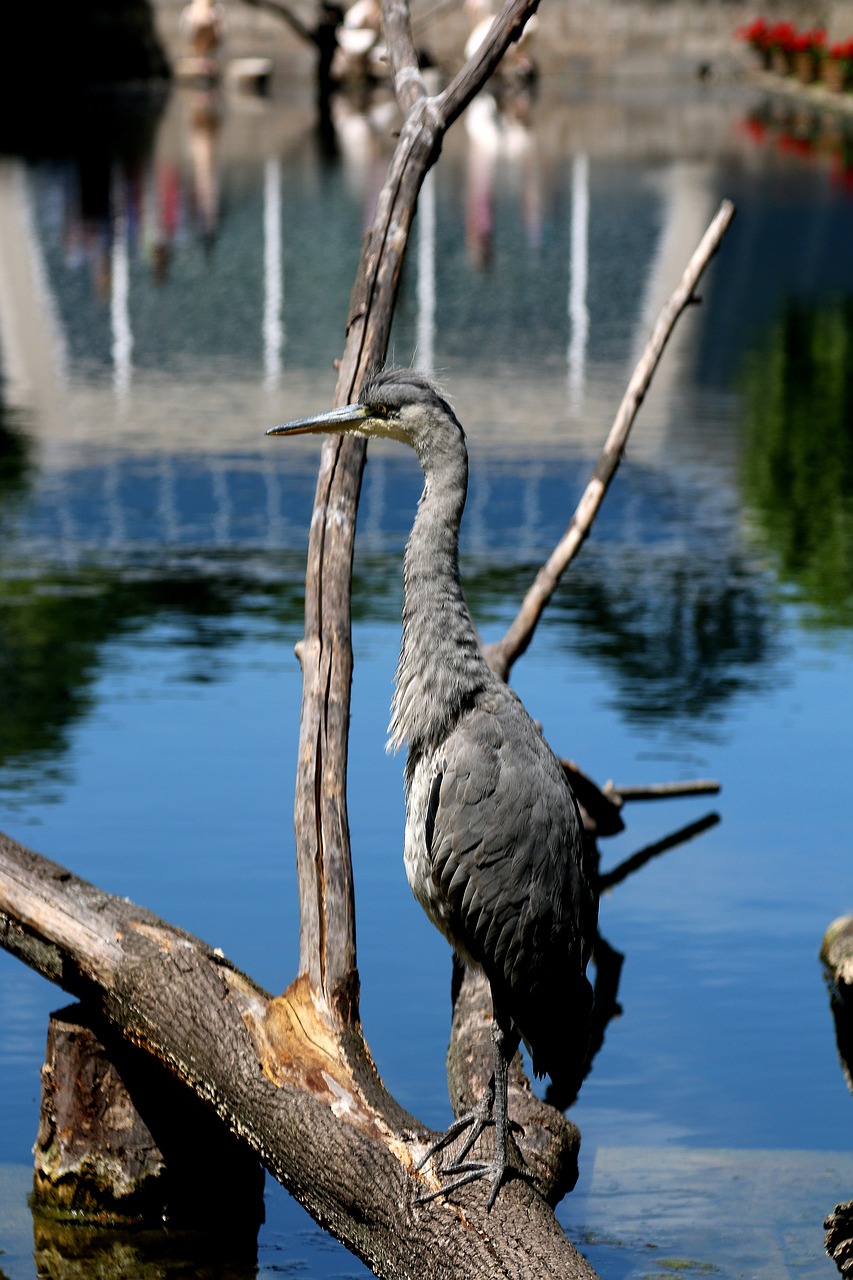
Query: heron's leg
{"points": [[500, 1159], [492, 1108]]}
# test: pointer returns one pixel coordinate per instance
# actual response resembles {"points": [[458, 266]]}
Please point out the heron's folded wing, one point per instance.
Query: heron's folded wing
{"points": [[504, 841]]}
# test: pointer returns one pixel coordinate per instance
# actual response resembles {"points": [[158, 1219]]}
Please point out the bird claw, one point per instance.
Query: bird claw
{"points": [[472, 1171], [462, 1171], [476, 1119], [478, 1124], [455, 1129], [490, 1109]]}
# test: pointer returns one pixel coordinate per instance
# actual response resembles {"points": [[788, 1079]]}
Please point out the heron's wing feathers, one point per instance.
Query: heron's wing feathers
{"points": [[507, 856]]}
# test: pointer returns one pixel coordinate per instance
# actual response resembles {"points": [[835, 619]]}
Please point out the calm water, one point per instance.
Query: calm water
{"points": [[174, 302]]}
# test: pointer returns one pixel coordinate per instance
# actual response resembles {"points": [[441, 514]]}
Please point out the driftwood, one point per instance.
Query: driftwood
{"points": [[293, 1076]]}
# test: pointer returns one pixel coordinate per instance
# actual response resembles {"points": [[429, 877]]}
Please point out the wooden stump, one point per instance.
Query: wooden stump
{"points": [[121, 1141], [839, 1236]]}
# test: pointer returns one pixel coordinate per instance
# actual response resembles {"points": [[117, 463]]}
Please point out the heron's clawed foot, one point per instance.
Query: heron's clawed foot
{"points": [[497, 1171], [462, 1171]]}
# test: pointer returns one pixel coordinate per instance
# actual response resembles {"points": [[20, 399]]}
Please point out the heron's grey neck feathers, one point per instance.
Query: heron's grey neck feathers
{"points": [[441, 666]]}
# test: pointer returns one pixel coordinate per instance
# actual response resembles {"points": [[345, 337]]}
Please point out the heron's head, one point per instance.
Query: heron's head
{"points": [[397, 404]]}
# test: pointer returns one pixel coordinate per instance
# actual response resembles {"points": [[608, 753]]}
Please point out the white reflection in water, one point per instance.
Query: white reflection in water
{"points": [[578, 277], [425, 358], [122, 334], [273, 327]]}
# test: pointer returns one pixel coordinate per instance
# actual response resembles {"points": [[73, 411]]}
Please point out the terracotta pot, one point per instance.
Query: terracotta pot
{"points": [[780, 62], [805, 66], [835, 75]]}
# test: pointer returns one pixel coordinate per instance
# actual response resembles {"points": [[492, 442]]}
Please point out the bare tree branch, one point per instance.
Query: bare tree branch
{"points": [[327, 939], [408, 82], [466, 84], [664, 790], [504, 652]]}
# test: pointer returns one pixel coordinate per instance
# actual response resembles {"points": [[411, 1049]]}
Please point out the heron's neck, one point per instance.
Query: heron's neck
{"points": [[441, 665]]}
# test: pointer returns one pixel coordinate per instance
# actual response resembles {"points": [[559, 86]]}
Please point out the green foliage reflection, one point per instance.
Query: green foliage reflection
{"points": [[55, 627], [15, 461], [798, 460]]}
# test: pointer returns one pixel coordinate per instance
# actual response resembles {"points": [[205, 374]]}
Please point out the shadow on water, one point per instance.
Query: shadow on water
{"points": [[71, 1251], [678, 643], [681, 637]]}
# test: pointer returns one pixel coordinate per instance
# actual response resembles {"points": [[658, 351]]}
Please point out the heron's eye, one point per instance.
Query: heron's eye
{"points": [[379, 410]]}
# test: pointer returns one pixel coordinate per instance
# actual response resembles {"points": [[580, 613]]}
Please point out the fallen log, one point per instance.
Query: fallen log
{"points": [[296, 1084]]}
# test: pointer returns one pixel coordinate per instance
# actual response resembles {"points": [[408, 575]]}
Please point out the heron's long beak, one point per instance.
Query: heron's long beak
{"points": [[334, 422]]}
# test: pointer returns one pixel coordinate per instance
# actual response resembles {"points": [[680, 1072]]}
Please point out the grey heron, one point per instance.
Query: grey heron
{"points": [[494, 849]]}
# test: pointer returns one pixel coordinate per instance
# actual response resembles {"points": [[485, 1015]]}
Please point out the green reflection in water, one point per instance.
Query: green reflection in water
{"points": [[798, 460], [55, 628], [15, 460]]}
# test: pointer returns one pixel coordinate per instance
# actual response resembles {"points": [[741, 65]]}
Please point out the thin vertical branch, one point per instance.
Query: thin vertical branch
{"points": [[324, 864]]}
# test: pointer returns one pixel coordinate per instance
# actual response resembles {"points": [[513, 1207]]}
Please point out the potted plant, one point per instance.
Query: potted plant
{"points": [[781, 37], [808, 51], [757, 35]]}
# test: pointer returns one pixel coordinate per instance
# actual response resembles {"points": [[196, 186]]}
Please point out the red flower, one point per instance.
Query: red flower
{"points": [[755, 33], [841, 51], [754, 128], [782, 36], [812, 41]]}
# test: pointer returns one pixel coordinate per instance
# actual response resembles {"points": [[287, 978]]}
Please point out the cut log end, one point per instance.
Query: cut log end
{"points": [[121, 1141]]}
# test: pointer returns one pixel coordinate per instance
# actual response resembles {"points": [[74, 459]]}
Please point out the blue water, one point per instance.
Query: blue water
{"points": [[165, 565]]}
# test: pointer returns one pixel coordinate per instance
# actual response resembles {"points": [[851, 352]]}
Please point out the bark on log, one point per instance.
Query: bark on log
{"points": [[277, 1072]]}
